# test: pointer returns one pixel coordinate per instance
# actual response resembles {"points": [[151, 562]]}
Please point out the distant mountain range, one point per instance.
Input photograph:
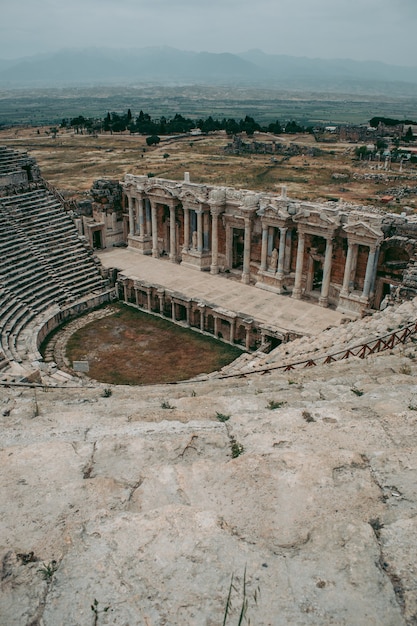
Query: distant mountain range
{"points": [[169, 66]]}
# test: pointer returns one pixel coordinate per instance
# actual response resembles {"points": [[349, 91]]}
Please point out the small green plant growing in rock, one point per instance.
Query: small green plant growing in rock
{"points": [[357, 392], [193, 394], [273, 404], [107, 392], [405, 369], [97, 611], [166, 405], [222, 417], [376, 526], [47, 570], [236, 447], [245, 601]]}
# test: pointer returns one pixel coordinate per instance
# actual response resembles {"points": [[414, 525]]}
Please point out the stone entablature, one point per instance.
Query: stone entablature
{"points": [[329, 252]]}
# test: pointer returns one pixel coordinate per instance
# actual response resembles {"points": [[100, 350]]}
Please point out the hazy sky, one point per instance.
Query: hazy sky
{"points": [[381, 30]]}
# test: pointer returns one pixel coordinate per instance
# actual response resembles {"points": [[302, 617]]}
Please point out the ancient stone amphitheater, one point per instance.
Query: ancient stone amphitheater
{"points": [[281, 490]]}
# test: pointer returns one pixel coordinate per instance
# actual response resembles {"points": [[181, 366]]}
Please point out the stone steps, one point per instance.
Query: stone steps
{"points": [[43, 263]]}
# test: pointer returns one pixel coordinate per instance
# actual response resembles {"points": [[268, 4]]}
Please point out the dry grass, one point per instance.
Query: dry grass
{"points": [[72, 162], [131, 347]]}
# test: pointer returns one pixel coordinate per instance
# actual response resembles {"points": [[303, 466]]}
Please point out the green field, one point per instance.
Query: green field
{"points": [[49, 106]]}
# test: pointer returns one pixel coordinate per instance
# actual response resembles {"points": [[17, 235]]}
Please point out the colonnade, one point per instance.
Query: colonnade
{"points": [[350, 269], [201, 230], [228, 326]]}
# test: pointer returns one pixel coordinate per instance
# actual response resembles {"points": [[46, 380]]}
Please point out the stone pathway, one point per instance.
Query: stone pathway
{"points": [[281, 312]]}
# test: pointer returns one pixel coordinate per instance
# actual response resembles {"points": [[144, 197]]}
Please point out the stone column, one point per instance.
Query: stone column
{"points": [[354, 265], [264, 251], [155, 251], [271, 232], [161, 294], [137, 296], [206, 231], [188, 313], [327, 270], [199, 230], [148, 222], [370, 267], [214, 268], [232, 331], [296, 293], [247, 338], [281, 252], [348, 268], [173, 313], [287, 253], [246, 252], [131, 216], [141, 221], [148, 293], [202, 319], [372, 290], [172, 236], [216, 325], [186, 243]]}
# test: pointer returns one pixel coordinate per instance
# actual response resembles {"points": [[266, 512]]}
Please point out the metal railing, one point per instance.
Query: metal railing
{"points": [[379, 344]]}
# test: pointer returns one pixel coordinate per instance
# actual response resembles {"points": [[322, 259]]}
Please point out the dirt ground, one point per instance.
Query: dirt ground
{"points": [[71, 162], [132, 348]]}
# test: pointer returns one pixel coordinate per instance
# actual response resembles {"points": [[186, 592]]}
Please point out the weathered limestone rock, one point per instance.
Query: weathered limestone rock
{"points": [[145, 509]]}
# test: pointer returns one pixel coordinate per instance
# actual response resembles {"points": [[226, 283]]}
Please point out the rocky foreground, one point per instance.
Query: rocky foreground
{"points": [[136, 506]]}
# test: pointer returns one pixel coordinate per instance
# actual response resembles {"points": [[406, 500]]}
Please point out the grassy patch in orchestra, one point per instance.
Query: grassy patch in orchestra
{"points": [[133, 348]]}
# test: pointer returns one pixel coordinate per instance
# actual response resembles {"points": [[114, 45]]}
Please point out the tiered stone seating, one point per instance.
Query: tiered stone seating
{"points": [[43, 264], [10, 160], [333, 340]]}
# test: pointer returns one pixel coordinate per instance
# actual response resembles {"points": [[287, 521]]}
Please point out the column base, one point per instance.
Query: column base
{"points": [[296, 294], [245, 279], [351, 305], [141, 244], [214, 269], [324, 302]]}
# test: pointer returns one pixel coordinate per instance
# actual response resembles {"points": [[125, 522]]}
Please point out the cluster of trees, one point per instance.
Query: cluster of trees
{"points": [[389, 121], [145, 125]]}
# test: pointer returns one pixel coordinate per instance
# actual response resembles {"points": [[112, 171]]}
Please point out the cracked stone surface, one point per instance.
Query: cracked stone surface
{"points": [[145, 510]]}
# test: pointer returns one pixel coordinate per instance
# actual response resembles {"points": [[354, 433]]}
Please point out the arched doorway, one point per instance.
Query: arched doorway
{"points": [[97, 240]]}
